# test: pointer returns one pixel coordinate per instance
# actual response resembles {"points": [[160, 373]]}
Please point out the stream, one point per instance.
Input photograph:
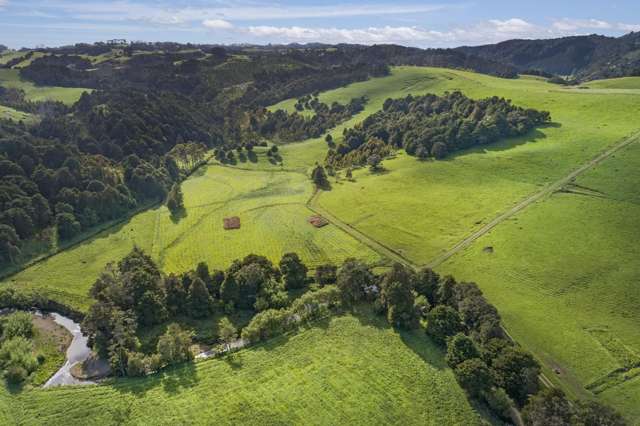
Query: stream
{"points": [[78, 351]]}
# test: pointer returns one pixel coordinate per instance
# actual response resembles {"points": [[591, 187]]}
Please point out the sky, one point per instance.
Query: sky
{"points": [[30, 23]]}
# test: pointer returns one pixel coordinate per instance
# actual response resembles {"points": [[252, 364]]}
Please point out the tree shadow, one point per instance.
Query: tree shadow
{"points": [[175, 379]]}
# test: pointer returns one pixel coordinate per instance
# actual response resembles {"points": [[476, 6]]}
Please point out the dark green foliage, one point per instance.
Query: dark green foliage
{"points": [[460, 348], [396, 296], [443, 322], [437, 125], [426, 284], [294, 272], [353, 277], [319, 177], [295, 127], [326, 274], [474, 376], [593, 413], [199, 301], [548, 408], [175, 202], [516, 371], [67, 226]]}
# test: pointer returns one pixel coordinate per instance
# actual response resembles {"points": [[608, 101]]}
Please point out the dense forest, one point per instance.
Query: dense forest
{"points": [[433, 126], [584, 58]]}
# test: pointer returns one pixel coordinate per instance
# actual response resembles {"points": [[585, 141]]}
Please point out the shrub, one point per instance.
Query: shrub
{"points": [[443, 322], [17, 324]]}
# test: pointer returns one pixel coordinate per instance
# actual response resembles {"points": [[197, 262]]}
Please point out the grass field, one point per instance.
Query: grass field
{"points": [[271, 207], [614, 83], [68, 95], [346, 370], [564, 276], [562, 272]]}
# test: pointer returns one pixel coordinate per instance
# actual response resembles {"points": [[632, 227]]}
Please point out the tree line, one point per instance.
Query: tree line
{"points": [[489, 366], [433, 126]]}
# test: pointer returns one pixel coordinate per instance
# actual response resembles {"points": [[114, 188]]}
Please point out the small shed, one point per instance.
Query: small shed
{"points": [[318, 221], [231, 222]]}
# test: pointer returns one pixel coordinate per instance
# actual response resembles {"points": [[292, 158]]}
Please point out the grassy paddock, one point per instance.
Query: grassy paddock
{"points": [[68, 95], [270, 204], [345, 370]]}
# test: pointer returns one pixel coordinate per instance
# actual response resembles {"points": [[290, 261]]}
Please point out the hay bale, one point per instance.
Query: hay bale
{"points": [[231, 222], [318, 221]]}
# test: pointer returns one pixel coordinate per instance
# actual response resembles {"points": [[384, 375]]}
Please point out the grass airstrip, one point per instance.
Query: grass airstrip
{"points": [[561, 272]]}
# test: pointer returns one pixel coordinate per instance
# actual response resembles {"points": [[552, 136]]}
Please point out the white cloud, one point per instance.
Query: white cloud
{"points": [[484, 32], [513, 25], [567, 24], [628, 27], [217, 24], [3, 3]]}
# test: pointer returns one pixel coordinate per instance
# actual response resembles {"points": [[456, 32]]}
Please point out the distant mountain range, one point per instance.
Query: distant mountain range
{"points": [[581, 57]]}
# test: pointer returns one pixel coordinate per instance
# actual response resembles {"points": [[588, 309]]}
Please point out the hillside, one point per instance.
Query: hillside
{"points": [[583, 57]]}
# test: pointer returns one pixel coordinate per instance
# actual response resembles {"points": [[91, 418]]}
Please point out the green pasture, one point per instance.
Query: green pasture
{"points": [[564, 275], [271, 207], [68, 95], [345, 370]]}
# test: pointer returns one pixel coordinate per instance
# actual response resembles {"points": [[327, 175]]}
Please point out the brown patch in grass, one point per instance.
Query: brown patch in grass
{"points": [[318, 221], [231, 222]]}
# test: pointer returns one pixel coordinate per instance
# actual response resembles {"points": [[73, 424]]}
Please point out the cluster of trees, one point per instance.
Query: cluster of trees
{"points": [[296, 127], [134, 294], [434, 126], [17, 359], [46, 182]]}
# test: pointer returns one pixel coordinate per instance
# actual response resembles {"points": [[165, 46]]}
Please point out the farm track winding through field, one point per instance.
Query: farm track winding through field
{"points": [[547, 190]]}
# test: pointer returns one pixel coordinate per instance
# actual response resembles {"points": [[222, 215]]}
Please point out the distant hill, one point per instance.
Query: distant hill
{"points": [[582, 57]]}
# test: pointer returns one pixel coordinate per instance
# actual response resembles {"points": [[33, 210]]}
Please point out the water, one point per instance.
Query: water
{"points": [[78, 351]]}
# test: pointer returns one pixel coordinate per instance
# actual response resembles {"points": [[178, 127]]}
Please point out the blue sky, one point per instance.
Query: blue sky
{"points": [[409, 22]]}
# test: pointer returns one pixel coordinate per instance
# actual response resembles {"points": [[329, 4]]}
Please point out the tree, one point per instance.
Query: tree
{"points": [[176, 295], [227, 332], [9, 241], [593, 413], [426, 284], [443, 322], [349, 174], [548, 408], [439, 150], [329, 139], [474, 376], [17, 359], [319, 177], [516, 371], [460, 348], [397, 296], [67, 225], [294, 272], [446, 293], [352, 279], [123, 341], [326, 274], [199, 301], [422, 153], [374, 162], [17, 324], [174, 346], [175, 202]]}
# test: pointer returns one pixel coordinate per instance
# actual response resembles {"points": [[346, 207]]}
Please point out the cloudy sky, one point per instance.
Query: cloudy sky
{"points": [[408, 22]]}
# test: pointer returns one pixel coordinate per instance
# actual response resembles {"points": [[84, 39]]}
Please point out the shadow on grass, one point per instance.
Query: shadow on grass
{"points": [[173, 380]]}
